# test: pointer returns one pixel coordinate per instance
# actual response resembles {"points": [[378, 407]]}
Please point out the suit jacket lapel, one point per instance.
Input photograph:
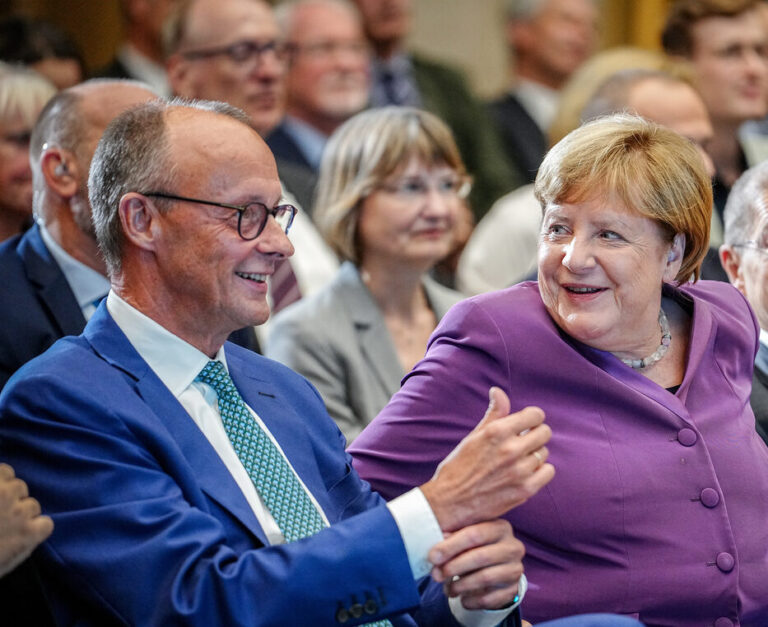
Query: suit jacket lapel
{"points": [[44, 273], [216, 482], [372, 334]]}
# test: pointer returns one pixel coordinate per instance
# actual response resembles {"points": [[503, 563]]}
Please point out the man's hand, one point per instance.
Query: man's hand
{"points": [[499, 465], [481, 563], [22, 527]]}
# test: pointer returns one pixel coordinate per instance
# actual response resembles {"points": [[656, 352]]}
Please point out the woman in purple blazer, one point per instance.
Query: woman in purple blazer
{"points": [[659, 509]]}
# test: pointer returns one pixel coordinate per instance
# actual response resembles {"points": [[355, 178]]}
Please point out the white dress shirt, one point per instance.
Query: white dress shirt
{"points": [[177, 364]]}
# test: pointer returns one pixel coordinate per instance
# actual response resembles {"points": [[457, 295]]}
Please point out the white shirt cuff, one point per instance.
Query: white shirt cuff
{"points": [[486, 618], [420, 532]]}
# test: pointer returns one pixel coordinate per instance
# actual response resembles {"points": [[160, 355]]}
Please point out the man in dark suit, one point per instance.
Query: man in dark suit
{"points": [[208, 474], [548, 40], [744, 255], [140, 55], [326, 79], [53, 274]]}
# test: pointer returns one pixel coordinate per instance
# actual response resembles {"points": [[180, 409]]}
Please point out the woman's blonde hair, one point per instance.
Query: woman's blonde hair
{"points": [[23, 93], [363, 152], [651, 169]]}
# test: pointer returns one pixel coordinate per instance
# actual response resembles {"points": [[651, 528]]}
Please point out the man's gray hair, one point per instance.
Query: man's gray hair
{"points": [[746, 202], [522, 9], [133, 155], [61, 123]]}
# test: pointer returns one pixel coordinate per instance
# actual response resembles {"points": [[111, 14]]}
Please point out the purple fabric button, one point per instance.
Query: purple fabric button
{"points": [[687, 437], [723, 622], [709, 497], [725, 562]]}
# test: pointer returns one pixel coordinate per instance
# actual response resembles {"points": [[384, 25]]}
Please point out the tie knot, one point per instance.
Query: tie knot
{"points": [[215, 375]]}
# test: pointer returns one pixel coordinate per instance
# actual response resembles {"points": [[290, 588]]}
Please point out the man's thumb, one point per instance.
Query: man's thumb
{"points": [[498, 405]]}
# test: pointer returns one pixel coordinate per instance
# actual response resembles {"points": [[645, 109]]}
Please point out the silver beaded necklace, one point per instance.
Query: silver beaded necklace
{"points": [[666, 340]]}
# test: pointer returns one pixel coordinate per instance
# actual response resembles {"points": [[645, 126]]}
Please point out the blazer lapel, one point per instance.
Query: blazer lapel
{"points": [[44, 273], [216, 482], [372, 334]]}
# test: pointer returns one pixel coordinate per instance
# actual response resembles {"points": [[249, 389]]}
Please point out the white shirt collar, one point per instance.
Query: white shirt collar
{"points": [[144, 69], [86, 284], [539, 101], [174, 361], [310, 141]]}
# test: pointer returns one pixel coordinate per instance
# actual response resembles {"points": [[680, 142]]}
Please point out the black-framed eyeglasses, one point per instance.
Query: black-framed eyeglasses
{"points": [[251, 217], [752, 245], [242, 51]]}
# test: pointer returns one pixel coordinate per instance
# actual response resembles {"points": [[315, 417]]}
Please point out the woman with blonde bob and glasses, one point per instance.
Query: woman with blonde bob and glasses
{"points": [[391, 188], [659, 505]]}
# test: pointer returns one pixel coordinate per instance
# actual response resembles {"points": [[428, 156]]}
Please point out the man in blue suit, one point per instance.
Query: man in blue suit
{"points": [[54, 275], [160, 517]]}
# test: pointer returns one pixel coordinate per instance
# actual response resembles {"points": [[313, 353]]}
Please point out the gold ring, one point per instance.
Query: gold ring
{"points": [[539, 456]]}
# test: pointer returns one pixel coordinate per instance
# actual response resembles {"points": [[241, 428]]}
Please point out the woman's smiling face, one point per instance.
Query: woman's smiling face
{"points": [[601, 268]]}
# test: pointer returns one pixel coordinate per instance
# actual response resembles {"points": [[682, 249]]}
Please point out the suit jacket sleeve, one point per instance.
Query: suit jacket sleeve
{"points": [[139, 542]]}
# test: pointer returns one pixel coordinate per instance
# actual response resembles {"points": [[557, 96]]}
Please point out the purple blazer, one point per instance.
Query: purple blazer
{"points": [[659, 508]]}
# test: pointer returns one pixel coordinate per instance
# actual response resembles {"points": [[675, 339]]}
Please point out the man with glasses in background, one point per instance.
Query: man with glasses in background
{"points": [[202, 484], [327, 77], [744, 255]]}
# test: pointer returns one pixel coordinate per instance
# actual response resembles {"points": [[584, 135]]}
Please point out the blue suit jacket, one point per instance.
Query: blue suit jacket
{"points": [[37, 305], [152, 529]]}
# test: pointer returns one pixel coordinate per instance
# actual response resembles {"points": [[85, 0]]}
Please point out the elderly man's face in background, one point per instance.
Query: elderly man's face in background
{"points": [[386, 20], [730, 60], [328, 74], [229, 54], [748, 267], [559, 38]]}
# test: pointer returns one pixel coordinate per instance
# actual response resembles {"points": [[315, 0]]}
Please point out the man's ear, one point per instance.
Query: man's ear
{"points": [[731, 262], [60, 170], [177, 71], [139, 218]]}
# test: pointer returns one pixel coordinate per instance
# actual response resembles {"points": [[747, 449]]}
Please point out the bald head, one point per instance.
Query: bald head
{"points": [[63, 142], [229, 51]]}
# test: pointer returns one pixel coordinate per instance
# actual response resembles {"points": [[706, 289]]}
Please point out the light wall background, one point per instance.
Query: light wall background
{"points": [[466, 33]]}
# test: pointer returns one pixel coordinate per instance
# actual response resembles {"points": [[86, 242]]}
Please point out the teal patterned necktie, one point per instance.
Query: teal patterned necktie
{"points": [[277, 483], [275, 480]]}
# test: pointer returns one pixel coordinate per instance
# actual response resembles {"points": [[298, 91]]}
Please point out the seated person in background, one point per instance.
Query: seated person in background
{"points": [[391, 186], [43, 47], [209, 474], [744, 255], [401, 77], [54, 274], [23, 93], [502, 249], [547, 40], [659, 505]]}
